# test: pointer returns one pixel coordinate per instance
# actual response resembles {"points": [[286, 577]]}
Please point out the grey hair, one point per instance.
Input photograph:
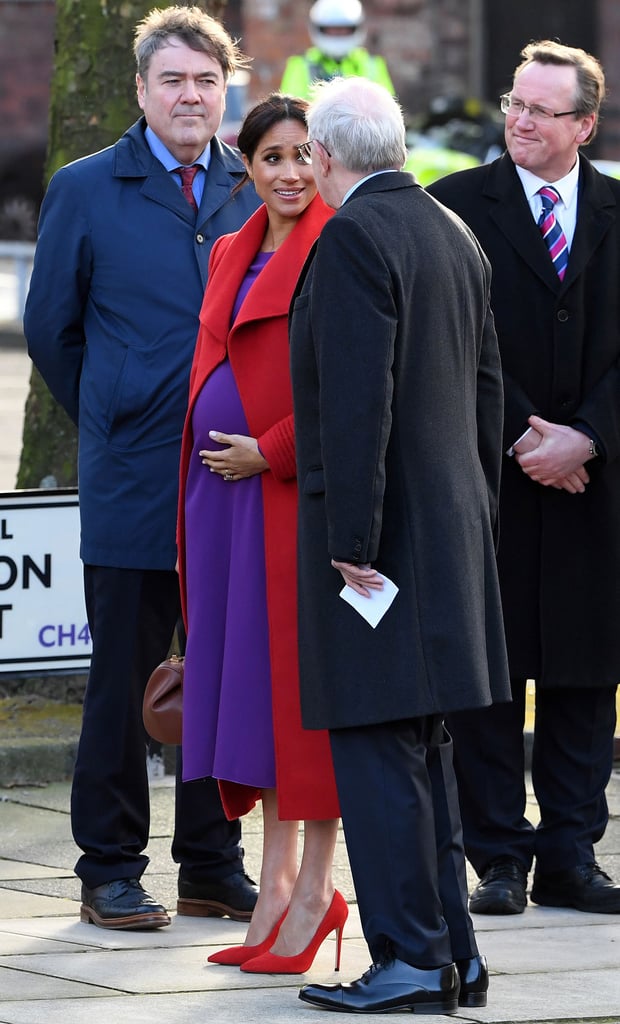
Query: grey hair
{"points": [[359, 123]]}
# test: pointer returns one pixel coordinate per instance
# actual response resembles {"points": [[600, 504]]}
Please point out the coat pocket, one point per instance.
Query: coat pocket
{"points": [[314, 482]]}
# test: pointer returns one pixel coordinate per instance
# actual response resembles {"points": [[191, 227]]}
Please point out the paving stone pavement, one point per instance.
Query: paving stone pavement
{"points": [[546, 965]]}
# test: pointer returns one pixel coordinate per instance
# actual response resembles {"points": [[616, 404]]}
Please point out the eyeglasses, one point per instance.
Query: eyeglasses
{"points": [[515, 107], [305, 151]]}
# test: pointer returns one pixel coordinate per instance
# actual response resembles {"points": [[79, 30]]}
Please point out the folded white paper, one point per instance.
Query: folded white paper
{"points": [[371, 608]]}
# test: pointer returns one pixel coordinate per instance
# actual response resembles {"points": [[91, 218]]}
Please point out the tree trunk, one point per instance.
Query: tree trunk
{"points": [[93, 101]]}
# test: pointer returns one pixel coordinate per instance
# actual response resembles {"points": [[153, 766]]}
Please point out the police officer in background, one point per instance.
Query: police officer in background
{"points": [[338, 32]]}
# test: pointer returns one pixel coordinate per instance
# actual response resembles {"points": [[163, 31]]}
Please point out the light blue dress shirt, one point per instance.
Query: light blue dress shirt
{"points": [[166, 158]]}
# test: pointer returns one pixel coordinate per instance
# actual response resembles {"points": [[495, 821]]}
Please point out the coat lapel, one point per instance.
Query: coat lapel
{"points": [[225, 171], [279, 277], [134, 159], [596, 214], [511, 213], [513, 217], [232, 257]]}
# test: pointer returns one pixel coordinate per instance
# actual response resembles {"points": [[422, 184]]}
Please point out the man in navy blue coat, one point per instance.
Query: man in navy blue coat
{"points": [[111, 320]]}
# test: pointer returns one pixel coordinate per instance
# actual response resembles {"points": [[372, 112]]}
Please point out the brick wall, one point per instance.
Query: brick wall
{"points": [[273, 30], [425, 43], [397, 29], [609, 54], [26, 56], [432, 48]]}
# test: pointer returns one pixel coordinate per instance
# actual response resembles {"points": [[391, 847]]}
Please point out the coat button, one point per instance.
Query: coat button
{"points": [[562, 315], [200, 239]]}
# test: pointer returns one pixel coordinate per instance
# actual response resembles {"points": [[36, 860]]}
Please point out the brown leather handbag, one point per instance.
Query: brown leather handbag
{"points": [[162, 709]]}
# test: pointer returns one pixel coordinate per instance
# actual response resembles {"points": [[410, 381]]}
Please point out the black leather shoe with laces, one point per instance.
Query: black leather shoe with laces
{"points": [[234, 896], [121, 904], [586, 888], [501, 890], [392, 985]]}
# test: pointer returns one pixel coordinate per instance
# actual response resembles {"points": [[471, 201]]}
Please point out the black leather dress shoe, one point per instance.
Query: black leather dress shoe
{"points": [[121, 904], [393, 985], [234, 897], [586, 888], [474, 978], [501, 890]]}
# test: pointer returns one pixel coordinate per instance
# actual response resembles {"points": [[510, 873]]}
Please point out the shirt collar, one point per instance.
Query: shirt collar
{"points": [[349, 193], [164, 155], [566, 186]]}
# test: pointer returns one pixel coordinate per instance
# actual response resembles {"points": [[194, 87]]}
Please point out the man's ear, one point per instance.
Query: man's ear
{"points": [[140, 90], [586, 129], [323, 159]]}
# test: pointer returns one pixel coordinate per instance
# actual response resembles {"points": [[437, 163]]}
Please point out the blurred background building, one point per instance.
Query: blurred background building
{"points": [[449, 61]]}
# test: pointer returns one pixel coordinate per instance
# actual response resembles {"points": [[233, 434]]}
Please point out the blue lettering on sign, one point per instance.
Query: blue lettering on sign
{"points": [[64, 636]]}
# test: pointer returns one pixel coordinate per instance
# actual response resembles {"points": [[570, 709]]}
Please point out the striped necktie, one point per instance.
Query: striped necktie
{"points": [[554, 237]]}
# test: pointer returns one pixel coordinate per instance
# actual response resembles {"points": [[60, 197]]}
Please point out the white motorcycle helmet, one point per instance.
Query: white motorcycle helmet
{"points": [[337, 14]]}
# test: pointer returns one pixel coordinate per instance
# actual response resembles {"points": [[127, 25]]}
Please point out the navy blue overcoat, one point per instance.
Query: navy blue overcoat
{"points": [[111, 323]]}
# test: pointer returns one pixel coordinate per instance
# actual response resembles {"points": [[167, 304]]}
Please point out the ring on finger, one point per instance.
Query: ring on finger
{"points": [[228, 476]]}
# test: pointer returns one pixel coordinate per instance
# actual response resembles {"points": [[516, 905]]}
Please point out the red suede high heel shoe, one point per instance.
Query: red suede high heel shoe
{"points": [[271, 963], [235, 956]]}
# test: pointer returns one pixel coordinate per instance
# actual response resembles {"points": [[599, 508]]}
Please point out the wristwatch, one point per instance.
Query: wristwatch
{"points": [[593, 450]]}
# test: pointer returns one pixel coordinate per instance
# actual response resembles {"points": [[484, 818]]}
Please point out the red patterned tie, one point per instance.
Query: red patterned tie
{"points": [[187, 176], [554, 237]]}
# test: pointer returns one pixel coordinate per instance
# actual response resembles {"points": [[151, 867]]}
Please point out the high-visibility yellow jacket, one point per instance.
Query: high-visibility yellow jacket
{"points": [[313, 66], [428, 163]]}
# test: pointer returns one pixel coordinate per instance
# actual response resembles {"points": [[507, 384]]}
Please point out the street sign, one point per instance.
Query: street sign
{"points": [[43, 622]]}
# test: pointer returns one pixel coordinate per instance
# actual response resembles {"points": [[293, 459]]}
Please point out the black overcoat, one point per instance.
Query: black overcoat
{"points": [[559, 553], [398, 409]]}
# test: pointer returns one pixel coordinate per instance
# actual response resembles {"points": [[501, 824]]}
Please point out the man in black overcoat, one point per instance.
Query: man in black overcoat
{"points": [[557, 314], [398, 408]]}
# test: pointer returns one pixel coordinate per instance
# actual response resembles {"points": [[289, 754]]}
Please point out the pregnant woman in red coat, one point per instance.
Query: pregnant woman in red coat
{"points": [[237, 556]]}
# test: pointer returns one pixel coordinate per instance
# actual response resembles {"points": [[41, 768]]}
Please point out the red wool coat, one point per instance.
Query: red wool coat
{"points": [[258, 349]]}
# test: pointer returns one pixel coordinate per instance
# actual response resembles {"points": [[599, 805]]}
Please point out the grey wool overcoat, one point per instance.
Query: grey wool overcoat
{"points": [[398, 411]]}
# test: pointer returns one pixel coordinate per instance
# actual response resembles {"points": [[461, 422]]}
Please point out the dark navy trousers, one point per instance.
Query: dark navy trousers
{"points": [[400, 815], [132, 616], [572, 760]]}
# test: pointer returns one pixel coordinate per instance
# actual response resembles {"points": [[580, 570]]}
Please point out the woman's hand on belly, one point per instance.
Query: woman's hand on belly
{"points": [[239, 459]]}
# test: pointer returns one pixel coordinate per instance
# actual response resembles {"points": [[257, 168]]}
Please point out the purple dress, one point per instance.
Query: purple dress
{"points": [[227, 720]]}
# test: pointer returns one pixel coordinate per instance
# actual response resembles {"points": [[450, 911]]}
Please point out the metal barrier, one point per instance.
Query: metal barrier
{"points": [[18, 257]]}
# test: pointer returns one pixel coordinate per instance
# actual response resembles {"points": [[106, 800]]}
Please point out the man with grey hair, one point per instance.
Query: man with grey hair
{"points": [[398, 408], [111, 322]]}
